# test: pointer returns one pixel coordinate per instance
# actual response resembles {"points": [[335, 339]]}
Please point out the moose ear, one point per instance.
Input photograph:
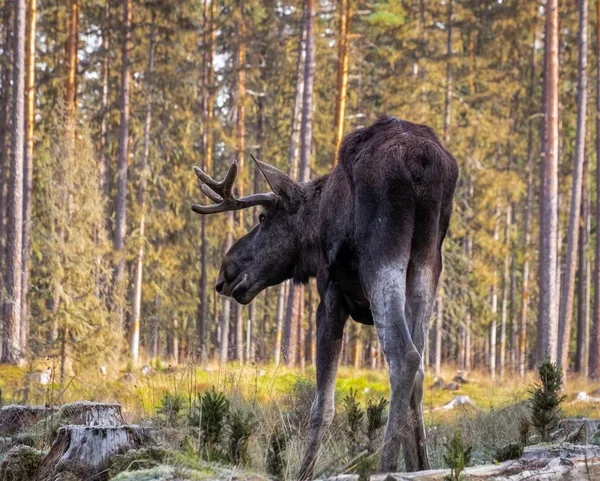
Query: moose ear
{"points": [[279, 182]]}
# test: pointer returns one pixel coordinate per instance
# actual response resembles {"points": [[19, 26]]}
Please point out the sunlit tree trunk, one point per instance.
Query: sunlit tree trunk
{"points": [[13, 287], [505, 289], [279, 318], [568, 293], [224, 341], [103, 157], [294, 151], [136, 308], [547, 310], [210, 11], [4, 138], [494, 309], [583, 284], [345, 24], [28, 168], [594, 357], [72, 40], [122, 161]]}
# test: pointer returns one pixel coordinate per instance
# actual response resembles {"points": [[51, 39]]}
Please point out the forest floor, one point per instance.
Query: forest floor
{"points": [[272, 398]]}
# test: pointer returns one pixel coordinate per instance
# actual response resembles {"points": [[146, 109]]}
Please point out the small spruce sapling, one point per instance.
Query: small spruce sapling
{"points": [[354, 415], [457, 457], [210, 414], [170, 409], [241, 427], [545, 399], [276, 453]]}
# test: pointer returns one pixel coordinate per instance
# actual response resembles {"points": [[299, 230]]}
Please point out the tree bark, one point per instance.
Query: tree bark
{"points": [[103, 157], [448, 85], [4, 138], [72, 40], [224, 341], [279, 318], [494, 310], [547, 310], [594, 357], [505, 289], [122, 161], [12, 307], [345, 25], [294, 152], [566, 306], [28, 170], [136, 309], [583, 290]]}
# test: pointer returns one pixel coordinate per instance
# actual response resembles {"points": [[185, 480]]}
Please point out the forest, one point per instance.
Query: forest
{"points": [[107, 105]]}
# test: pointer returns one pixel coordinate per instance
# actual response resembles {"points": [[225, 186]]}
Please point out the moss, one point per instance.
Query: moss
{"points": [[20, 463], [138, 459]]}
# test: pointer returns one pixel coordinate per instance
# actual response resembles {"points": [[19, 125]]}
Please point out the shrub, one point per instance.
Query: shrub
{"points": [[170, 409], [457, 457], [276, 453], [545, 399], [241, 426], [210, 414], [354, 416]]}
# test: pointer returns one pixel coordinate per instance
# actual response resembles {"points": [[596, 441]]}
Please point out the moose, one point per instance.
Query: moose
{"points": [[371, 232]]}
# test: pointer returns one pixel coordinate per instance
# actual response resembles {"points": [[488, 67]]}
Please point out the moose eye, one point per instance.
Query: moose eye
{"points": [[261, 218]]}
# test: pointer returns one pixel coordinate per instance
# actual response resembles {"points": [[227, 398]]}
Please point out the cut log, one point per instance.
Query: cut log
{"points": [[86, 413], [85, 451], [564, 451], [14, 418], [578, 429]]}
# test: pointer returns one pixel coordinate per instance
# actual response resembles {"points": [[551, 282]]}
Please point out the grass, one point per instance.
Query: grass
{"points": [[280, 398]]}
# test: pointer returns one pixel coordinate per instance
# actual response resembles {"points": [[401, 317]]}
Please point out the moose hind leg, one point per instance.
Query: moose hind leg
{"points": [[330, 329], [387, 295]]}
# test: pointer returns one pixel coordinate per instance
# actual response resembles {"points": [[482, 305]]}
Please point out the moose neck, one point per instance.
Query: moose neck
{"points": [[308, 255]]}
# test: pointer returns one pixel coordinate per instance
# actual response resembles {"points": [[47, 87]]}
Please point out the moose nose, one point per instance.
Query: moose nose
{"points": [[219, 285]]}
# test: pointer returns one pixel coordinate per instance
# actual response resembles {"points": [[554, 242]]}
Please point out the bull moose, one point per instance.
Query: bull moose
{"points": [[371, 232]]}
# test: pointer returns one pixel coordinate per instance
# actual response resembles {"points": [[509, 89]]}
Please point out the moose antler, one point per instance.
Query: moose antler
{"points": [[222, 193]]}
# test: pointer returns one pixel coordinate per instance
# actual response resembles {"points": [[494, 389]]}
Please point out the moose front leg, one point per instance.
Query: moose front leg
{"points": [[330, 329]]}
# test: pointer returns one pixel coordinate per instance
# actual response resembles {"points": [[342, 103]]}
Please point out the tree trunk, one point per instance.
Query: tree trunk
{"points": [[72, 40], [345, 24], [122, 161], [4, 137], [279, 323], [547, 311], [505, 289], [448, 86], [594, 357], [103, 157], [28, 171], [136, 309], [583, 291], [293, 154], [494, 310], [224, 342], [439, 310], [307, 101], [566, 306], [13, 286]]}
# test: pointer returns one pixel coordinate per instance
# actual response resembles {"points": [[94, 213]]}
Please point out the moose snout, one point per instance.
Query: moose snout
{"points": [[219, 285]]}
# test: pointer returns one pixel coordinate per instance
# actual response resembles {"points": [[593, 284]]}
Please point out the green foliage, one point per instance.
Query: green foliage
{"points": [[354, 418], [457, 456], [376, 419], [20, 463], [137, 459], [171, 409], [545, 399], [210, 414], [241, 427], [276, 452]]}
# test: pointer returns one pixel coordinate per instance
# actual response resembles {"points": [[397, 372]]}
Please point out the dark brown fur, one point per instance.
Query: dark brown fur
{"points": [[371, 233]]}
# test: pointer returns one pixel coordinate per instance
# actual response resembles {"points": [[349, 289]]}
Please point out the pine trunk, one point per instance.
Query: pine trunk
{"points": [[12, 305], [122, 167], [136, 309], [547, 310], [28, 170], [568, 293], [103, 157], [594, 357], [583, 291], [505, 289], [345, 24]]}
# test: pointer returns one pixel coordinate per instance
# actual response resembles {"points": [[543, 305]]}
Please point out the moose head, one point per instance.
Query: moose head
{"points": [[266, 255]]}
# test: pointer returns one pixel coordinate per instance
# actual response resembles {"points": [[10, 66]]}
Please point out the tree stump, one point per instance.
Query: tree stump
{"points": [[14, 418], [86, 413], [85, 451]]}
